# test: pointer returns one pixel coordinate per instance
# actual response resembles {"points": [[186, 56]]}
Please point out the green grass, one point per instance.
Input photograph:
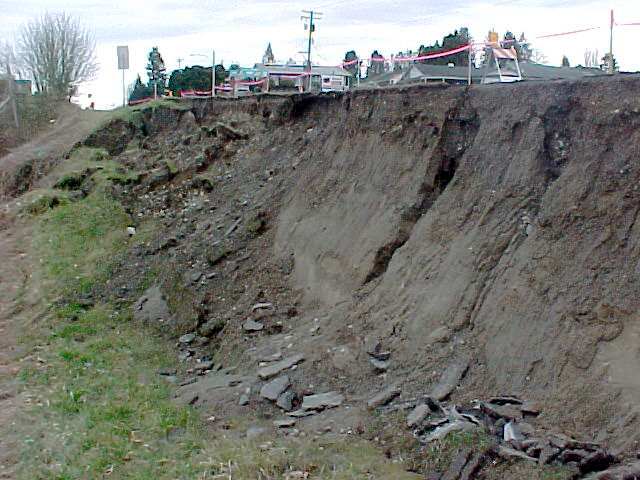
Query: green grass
{"points": [[78, 243]]}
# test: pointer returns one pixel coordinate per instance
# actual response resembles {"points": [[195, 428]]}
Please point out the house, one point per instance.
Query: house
{"points": [[321, 79], [427, 73], [19, 86]]}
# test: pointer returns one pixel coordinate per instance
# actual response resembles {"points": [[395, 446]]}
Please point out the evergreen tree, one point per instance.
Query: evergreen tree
{"points": [[156, 71], [525, 52], [140, 91], [353, 68], [375, 67], [509, 40], [565, 61], [195, 78], [458, 38]]}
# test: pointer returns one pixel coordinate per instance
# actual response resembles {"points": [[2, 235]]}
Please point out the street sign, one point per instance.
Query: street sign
{"points": [[123, 58]]}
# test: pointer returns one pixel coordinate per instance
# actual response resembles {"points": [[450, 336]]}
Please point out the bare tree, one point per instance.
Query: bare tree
{"points": [[57, 53], [591, 58], [538, 57], [7, 59]]}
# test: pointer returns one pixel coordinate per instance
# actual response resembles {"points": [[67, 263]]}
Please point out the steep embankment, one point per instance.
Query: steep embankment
{"points": [[490, 226], [456, 243]]}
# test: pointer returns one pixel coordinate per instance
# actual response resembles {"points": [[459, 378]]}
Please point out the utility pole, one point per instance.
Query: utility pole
{"points": [[312, 28], [213, 73], [611, 46]]}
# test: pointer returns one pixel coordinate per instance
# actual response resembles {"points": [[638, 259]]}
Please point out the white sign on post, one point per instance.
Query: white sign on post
{"points": [[123, 64], [123, 58]]}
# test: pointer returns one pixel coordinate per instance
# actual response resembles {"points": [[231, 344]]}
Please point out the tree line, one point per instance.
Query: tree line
{"points": [[458, 38], [196, 77]]}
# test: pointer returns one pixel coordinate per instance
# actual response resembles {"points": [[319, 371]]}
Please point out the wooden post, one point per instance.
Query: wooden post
{"points": [[213, 74], [12, 96]]}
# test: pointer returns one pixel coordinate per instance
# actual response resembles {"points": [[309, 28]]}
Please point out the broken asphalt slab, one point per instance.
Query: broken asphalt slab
{"points": [[275, 368]]}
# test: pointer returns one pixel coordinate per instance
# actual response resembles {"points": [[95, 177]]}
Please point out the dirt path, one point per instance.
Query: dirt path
{"points": [[44, 151], [14, 235], [16, 305]]}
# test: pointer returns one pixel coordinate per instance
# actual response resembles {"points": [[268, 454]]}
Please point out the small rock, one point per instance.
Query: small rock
{"points": [[302, 413], [244, 400], [508, 453], [188, 381], [285, 401], [168, 371], [200, 341], [183, 355], [573, 456], [508, 412], [285, 423], [202, 366], [195, 276], [451, 377], [273, 389], [505, 399], [322, 401], [151, 307], [457, 465], [530, 408], [595, 462], [277, 367], [253, 432], [296, 474], [263, 305], [526, 428], [252, 326], [417, 415], [547, 454], [344, 359], [187, 338], [382, 356], [384, 397], [379, 365], [512, 432]]}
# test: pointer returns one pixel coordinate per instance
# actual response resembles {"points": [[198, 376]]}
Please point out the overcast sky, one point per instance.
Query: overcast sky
{"points": [[240, 31]]}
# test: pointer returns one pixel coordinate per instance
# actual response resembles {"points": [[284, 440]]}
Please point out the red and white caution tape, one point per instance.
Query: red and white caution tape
{"points": [[256, 82], [568, 33]]}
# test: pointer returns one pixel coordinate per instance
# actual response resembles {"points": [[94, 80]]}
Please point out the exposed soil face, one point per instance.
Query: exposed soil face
{"points": [[489, 228]]}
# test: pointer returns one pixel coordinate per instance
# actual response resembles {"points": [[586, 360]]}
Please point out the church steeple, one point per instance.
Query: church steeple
{"points": [[268, 57]]}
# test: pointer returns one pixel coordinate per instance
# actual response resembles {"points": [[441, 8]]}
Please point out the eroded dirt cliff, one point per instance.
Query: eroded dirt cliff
{"points": [[478, 241]]}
